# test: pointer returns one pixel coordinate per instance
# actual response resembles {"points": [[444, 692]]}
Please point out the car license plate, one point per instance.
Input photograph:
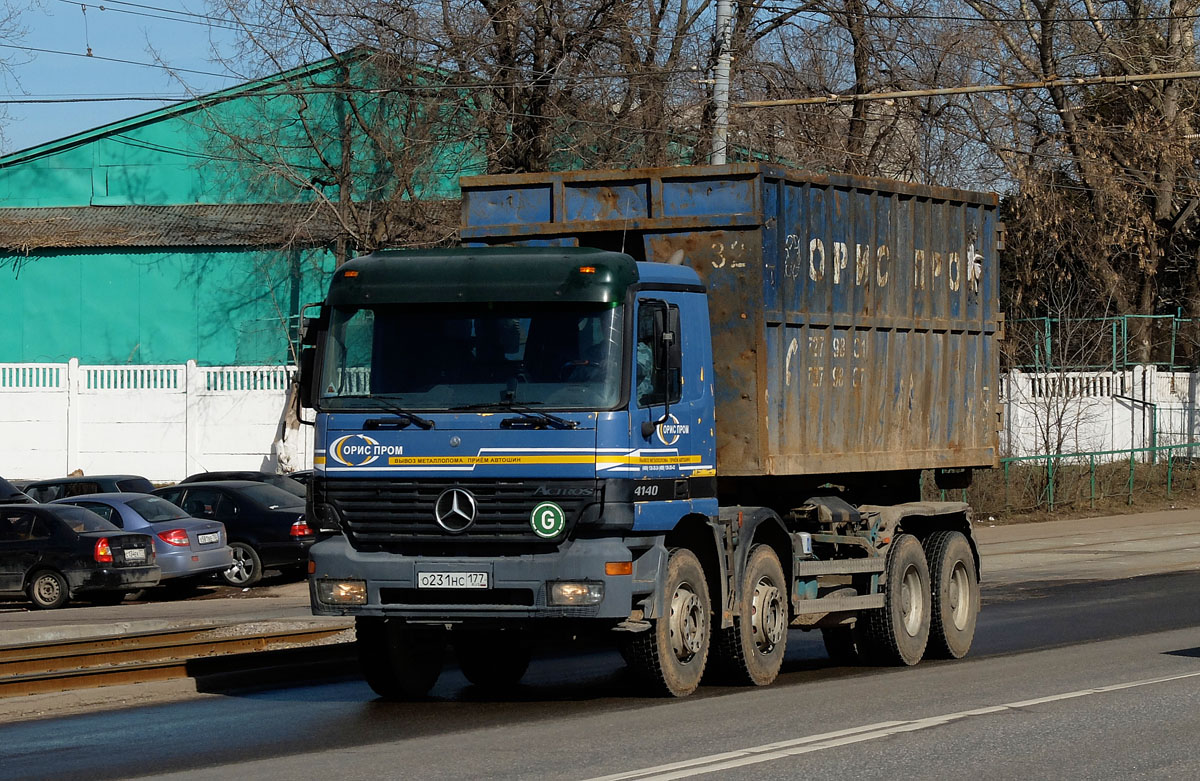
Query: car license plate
{"points": [[135, 554], [208, 539], [452, 580]]}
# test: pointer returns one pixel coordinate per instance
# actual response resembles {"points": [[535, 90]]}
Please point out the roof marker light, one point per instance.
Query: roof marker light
{"points": [[587, 269]]}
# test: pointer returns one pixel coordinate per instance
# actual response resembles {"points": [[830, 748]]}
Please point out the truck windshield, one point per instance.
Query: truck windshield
{"points": [[557, 356]]}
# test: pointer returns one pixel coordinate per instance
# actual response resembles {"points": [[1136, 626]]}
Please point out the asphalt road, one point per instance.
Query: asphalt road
{"points": [[1116, 667]]}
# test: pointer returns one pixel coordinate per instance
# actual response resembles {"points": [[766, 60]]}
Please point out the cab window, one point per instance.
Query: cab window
{"points": [[652, 379]]}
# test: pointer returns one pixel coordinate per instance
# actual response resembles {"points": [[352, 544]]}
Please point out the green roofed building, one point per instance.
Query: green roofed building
{"points": [[198, 231]]}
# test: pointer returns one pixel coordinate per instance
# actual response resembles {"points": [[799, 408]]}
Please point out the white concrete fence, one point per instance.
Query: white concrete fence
{"points": [[1078, 412], [166, 422], [162, 422]]}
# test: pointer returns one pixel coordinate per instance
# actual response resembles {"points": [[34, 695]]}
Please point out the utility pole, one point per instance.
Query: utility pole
{"points": [[720, 137]]}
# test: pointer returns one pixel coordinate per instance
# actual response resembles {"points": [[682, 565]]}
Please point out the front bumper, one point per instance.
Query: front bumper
{"points": [[518, 585]]}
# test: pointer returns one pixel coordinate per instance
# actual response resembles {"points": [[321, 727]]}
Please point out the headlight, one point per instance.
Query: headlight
{"points": [[342, 592], [576, 593]]}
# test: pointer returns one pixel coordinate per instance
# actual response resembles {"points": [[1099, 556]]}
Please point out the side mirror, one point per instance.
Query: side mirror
{"points": [[310, 336], [672, 342]]}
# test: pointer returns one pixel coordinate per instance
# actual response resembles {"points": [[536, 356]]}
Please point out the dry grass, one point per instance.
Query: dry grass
{"points": [[1078, 492]]}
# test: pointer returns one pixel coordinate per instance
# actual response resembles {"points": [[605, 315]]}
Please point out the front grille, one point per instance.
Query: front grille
{"points": [[392, 514]]}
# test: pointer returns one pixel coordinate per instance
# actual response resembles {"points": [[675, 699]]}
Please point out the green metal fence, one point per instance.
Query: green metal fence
{"points": [[1102, 343]]}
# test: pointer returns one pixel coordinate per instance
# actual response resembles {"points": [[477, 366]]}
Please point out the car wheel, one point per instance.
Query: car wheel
{"points": [[246, 569], [48, 590]]}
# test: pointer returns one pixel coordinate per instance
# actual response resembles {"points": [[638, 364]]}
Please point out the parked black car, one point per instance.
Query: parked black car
{"points": [[265, 525], [61, 487], [55, 553], [286, 482], [10, 494]]}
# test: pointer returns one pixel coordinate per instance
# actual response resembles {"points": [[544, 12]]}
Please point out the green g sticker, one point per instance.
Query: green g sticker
{"points": [[547, 520]]}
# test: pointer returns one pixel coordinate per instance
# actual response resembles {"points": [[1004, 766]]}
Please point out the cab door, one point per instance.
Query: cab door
{"points": [[672, 436]]}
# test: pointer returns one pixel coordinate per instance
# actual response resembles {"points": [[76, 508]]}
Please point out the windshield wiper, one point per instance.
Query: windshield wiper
{"points": [[393, 408], [522, 410]]}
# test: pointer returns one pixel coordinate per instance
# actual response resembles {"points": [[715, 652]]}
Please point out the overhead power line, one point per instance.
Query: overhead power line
{"points": [[1082, 81]]}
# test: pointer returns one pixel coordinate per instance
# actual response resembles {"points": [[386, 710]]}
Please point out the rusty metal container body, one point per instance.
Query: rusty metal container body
{"points": [[854, 321]]}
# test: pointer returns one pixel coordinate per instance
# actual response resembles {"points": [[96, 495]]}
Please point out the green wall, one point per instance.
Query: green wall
{"points": [[216, 307]]}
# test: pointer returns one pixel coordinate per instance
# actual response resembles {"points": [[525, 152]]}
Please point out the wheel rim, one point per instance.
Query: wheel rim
{"points": [[912, 603], [958, 596], [687, 623], [767, 616], [242, 568], [47, 589]]}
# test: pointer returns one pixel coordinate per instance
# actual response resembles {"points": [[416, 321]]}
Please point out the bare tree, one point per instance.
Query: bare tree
{"points": [[1106, 175]]}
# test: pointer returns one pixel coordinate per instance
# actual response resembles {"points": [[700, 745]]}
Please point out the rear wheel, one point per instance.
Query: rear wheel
{"points": [[400, 661], [839, 644], [898, 632], [47, 590], [671, 655], [955, 594], [246, 569], [493, 660], [751, 651]]}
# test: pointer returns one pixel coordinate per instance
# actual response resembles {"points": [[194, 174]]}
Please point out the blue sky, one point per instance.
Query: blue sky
{"points": [[121, 31]]}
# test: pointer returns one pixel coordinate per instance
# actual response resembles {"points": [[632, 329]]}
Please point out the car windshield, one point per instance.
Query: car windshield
{"points": [[269, 496], [135, 485], [435, 358], [81, 520], [155, 509], [287, 484]]}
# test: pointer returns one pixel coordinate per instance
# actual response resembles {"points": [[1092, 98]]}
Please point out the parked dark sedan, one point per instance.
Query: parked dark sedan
{"points": [[10, 494], [186, 548], [53, 553], [288, 483], [61, 487], [265, 525]]}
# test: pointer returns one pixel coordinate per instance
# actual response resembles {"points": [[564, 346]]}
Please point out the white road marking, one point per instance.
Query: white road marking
{"points": [[769, 752]]}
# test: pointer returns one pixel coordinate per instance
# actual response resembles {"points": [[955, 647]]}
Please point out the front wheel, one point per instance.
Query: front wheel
{"points": [[400, 661], [955, 594], [751, 651], [671, 655], [48, 590], [246, 569], [492, 660], [898, 632]]}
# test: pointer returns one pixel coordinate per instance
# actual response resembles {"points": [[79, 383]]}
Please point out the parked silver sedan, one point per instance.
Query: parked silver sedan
{"points": [[187, 548]]}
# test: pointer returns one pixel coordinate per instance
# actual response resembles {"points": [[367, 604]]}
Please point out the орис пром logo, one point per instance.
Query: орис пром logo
{"points": [[355, 450]]}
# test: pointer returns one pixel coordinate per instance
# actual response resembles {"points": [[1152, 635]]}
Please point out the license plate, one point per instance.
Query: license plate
{"points": [[452, 580], [208, 539], [135, 554]]}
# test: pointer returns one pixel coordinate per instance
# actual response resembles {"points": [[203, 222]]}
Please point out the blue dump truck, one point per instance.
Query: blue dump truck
{"points": [[683, 410]]}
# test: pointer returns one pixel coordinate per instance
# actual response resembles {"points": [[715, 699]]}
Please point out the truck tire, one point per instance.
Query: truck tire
{"points": [[399, 661], [839, 644], [955, 595], [493, 660], [897, 633], [670, 656], [751, 651]]}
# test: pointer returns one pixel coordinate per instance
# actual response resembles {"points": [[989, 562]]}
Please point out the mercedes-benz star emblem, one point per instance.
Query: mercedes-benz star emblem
{"points": [[455, 510]]}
